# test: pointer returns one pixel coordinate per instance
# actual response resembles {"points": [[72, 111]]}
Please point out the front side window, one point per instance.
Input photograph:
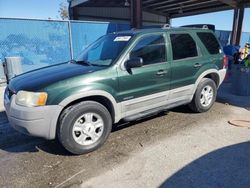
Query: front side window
{"points": [[183, 46], [151, 49], [105, 50]]}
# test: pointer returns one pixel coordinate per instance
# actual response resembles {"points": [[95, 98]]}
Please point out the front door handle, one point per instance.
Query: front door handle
{"points": [[197, 65], [161, 72]]}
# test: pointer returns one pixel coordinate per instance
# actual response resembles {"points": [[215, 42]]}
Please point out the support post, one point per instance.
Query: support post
{"points": [[136, 13], [72, 12], [234, 29], [239, 29], [237, 26], [168, 20]]}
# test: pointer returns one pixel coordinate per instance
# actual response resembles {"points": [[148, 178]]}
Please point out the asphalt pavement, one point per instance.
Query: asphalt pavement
{"points": [[165, 150]]}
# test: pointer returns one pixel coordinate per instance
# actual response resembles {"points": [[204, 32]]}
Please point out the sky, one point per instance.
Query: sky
{"points": [[222, 20], [42, 9], [49, 9]]}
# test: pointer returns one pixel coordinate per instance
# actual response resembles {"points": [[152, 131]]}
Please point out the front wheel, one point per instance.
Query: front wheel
{"points": [[84, 127], [204, 96]]}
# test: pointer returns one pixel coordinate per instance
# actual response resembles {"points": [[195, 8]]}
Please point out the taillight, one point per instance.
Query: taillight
{"points": [[225, 62]]}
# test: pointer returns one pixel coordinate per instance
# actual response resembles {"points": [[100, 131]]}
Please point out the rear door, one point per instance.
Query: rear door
{"points": [[185, 59]]}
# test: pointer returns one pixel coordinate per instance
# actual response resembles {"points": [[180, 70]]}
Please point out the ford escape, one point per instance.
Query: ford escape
{"points": [[121, 76]]}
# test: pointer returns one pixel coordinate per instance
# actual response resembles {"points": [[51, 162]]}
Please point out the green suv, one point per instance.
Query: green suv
{"points": [[121, 76]]}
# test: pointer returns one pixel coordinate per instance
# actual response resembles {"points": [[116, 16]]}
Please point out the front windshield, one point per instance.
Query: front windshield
{"points": [[105, 50]]}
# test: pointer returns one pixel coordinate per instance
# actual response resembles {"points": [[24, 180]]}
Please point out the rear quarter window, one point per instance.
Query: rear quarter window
{"points": [[210, 42]]}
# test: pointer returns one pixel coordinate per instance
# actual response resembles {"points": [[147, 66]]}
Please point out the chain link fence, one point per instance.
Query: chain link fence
{"points": [[45, 42]]}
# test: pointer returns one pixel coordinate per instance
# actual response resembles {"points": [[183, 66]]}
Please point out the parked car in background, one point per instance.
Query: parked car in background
{"points": [[122, 76]]}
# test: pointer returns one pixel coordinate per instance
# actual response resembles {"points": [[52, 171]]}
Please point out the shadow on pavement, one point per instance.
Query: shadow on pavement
{"points": [[226, 95], [15, 142], [123, 125], [182, 109], [225, 167], [24, 143]]}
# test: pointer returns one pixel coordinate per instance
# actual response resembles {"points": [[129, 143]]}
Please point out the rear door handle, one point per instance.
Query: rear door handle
{"points": [[197, 65], [161, 72]]}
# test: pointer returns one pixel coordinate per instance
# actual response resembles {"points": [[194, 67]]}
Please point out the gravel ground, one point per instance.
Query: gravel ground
{"points": [[158, 151]]}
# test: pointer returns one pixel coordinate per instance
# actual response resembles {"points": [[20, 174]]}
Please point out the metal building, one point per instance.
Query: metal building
{"points": [[150, 12]]}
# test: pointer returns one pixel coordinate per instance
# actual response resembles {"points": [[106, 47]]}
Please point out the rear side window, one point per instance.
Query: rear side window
{"points": [[151, 49], [210, 42], [183, 46]]}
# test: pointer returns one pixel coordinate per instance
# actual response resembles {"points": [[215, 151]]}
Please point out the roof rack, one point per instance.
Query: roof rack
{"points": [[205, 27], [166, 26]]}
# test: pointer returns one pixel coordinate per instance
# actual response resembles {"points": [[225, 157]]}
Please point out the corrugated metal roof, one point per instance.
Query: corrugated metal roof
{"points": [[170, 8]]}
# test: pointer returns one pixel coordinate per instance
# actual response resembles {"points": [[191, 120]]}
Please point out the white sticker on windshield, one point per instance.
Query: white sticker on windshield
{"points": [[122, 38]]}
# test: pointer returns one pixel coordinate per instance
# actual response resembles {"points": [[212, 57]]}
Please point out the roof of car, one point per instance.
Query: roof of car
{"points": [[152, 30]]}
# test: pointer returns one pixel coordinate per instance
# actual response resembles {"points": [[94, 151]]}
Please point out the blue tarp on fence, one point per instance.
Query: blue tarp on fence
{"points": [[45, 42], [39, 42]]}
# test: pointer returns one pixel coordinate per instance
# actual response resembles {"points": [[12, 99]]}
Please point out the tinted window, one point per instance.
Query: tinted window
{"points": [[210, 42], [151, 49], [183, 46]]}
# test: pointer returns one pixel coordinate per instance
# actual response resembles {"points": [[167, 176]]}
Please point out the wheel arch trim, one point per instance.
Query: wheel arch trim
{"points": [[201, 76], [82, 95]]}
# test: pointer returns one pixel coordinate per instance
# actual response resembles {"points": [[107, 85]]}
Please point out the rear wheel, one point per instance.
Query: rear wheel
{"points": [[84, 127], [204, 96]]}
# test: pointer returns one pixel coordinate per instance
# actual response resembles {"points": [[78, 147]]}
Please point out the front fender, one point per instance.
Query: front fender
{"points": [[65, 97]]}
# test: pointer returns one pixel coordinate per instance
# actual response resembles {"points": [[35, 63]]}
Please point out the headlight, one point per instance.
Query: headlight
{"points": [[25, 98]]}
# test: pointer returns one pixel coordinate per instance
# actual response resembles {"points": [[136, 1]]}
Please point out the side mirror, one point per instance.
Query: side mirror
{"points": [[133, 63]]}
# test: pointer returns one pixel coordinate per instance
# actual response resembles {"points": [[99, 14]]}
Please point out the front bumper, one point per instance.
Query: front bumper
{"points": [[34, 121]]}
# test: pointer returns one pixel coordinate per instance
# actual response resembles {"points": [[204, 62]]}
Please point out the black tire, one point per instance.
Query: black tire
{"points": [[70, 115], [196, 105]]}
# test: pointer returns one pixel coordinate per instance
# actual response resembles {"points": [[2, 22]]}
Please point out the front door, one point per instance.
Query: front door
{"points": [[146, 87]]}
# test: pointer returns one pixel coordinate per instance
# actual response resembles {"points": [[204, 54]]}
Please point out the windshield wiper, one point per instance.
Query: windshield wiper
{"points": [[81, 62], [98, 65]]}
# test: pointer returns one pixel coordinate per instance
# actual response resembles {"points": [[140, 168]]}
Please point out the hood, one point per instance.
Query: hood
{"points": [[40, 78]]}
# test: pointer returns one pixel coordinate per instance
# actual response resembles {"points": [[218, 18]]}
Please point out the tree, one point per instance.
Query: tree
{"points": [[63, 11]]}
